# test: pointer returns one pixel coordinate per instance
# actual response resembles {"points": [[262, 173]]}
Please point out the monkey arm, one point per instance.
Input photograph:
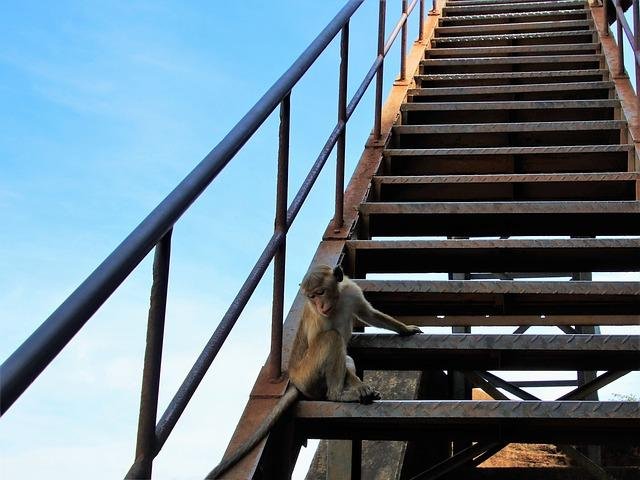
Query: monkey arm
{"points": [[376, 318]]}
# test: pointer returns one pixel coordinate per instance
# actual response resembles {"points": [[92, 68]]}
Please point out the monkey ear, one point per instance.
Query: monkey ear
{"points": [[338, 273]]}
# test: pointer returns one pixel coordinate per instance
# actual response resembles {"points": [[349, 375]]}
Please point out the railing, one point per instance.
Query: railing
{"points": [[632, 36], [33, 356]]}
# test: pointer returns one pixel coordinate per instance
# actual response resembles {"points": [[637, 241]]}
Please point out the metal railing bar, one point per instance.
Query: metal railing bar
{"points": [[143, 463], [338, 218], [398, 28], [377, 122], [403, 44], [277, 311], [32, 357]]}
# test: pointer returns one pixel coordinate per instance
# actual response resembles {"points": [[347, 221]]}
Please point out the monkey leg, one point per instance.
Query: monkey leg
{"points": [[366, 392]]}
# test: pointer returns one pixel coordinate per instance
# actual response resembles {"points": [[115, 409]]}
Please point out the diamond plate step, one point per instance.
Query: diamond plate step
{"points": [[565, 422], [527, 187], [483, 2], [502, 89], [511, 60], [508, 78], [456, 10], [411, 298], [474, 256], [515, 27], [470, 219], [507, 160], [495, 352], [531, 50], [510, 127], [518, 105], [514, 17], [572, 36]]}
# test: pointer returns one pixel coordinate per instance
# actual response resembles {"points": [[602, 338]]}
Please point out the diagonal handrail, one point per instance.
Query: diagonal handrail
{"points": [[35, 354]]}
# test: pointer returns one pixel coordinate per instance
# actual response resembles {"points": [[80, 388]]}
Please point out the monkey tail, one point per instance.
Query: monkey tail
{"points": [[283, 404]]}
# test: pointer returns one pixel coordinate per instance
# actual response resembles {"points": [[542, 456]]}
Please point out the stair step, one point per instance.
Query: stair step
{"points": [[495, 352], [510, 127], [472, 256], [546, 473], [511, 60], [508, 78], [565, 422], [514, 27], [513, 17], [483, 2], [522, 187], [520, 38], [507, 160], [516, 105], [477, 219], [415, 298], [455, 10], [532, 50]]}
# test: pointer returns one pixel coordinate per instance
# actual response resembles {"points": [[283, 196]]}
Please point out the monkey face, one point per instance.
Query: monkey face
{"points": [[321, 289]]}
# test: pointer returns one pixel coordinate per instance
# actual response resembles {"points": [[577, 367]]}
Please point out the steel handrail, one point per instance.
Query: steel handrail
{"points": [[632, 35], [33, 356]]}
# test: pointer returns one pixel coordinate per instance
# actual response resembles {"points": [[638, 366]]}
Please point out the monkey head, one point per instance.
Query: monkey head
{"points": [[320, 286]]}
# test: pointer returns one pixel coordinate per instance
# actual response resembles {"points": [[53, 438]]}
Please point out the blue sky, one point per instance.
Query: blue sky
{"points": [[106, 107]]}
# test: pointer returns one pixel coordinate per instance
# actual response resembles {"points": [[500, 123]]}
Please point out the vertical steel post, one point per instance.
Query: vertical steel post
{"points": [[403, 44], [377, 129], [636, 40], [338, 218], [605, 20], [620, 39], [421, 26], [434, 8], [275, 356], [145, 445]]}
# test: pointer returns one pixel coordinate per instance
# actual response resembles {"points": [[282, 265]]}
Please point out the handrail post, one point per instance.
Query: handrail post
{"points": [[636, 40], [145, 445], [434, 8], [338, 219], [605, 20], [620, 40], [421, 26], [275, 356], [403, 45], [378, 110]]}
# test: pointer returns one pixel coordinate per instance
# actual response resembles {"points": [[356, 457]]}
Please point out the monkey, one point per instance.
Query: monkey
{"points": [[319, 367]]}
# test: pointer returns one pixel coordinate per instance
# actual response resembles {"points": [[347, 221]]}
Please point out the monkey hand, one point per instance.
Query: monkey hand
{"points": [[368, 394], [410, 330]]}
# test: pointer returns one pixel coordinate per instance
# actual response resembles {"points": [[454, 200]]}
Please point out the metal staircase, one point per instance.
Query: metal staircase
{"points": [[513, 129], [497, 179]]}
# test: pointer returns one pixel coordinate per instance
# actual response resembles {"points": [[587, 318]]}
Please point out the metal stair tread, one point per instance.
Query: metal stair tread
{"points": [[479, 208], [507, 178], [491, 16], [503, 244], [509, 105], [510, 75], [512, 36], [568, 47], [510, 127], [596, 57], [408, 152], [496, 27], [529, 87]]}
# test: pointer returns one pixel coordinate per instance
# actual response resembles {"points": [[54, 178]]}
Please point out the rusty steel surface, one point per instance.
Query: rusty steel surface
{"points": [[567, 49], [531, 6], [408, 152], [507, 244], [506, 105], [514, 36], [532, 87], [584, 421], [512, 75], [511, 16], [496, 352], [515, 27], [516, 178], [500, 287], [555, 59], [521, 208], [511, 127], [519, 320]]}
